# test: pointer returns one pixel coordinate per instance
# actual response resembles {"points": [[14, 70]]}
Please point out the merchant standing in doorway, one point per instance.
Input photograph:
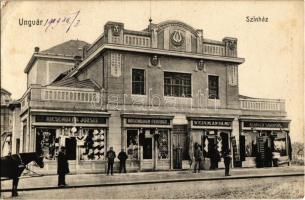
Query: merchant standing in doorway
{"points": [[62, 167], [198, 157], [110, 156], [122, 157]]}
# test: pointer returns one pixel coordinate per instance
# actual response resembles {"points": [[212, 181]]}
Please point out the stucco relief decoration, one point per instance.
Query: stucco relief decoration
{"points": [[116, 63], [232, 45], [116, 29], [154, 61], [201, 66], [177, 38]]}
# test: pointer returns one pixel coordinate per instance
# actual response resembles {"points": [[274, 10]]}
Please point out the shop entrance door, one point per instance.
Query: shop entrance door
{"points": [[147, 149], [71, 148], [179, 145], [264, 152]]}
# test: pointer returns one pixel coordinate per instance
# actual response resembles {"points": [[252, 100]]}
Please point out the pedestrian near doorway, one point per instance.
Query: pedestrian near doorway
{"points": [[62, 167], [122, 157], [227, 161], [110, 156], [198, 158]]}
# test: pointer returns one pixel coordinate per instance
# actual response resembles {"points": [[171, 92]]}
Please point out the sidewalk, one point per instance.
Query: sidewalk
{"points": [[91, 180]]}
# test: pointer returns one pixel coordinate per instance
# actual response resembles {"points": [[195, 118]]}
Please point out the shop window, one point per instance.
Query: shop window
{"points": [[46, 143], [177, 84], [163, 144], [138, 81], [213, 87], [280, 145], [91, 144], [132, 144], [250, 145]]}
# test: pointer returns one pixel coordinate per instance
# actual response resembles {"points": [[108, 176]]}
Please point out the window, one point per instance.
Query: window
{"points": [[46, 143], [163, 144], [177, 84], [92, 142], [138, 81], [213, 87], [132, 144]]}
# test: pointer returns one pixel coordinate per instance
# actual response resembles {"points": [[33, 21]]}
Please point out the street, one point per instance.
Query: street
{"points": [[276, 187]]}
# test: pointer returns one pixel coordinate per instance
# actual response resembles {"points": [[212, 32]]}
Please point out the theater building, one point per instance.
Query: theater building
{"points": [[155, 93]]}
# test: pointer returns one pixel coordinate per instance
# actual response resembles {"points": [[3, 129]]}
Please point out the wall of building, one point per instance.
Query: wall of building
{"points": [[45, 71], [120, 87], [94, 72]]}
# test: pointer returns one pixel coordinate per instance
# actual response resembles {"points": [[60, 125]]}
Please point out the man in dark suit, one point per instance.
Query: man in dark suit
{"points": [[227, 161], [122, 157], [62, 167], [110, 156]]}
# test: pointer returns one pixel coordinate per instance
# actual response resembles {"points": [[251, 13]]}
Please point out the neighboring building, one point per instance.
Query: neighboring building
{"points": [[155, 92], [6, 123], [10, 124]]}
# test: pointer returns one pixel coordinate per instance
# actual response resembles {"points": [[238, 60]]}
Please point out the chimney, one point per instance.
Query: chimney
{"points": [[77, 59], [36, 49]]}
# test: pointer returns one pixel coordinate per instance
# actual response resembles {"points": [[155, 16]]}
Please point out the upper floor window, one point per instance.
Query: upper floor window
{"points": [[177, 84], [138, 81], [213, 87]]}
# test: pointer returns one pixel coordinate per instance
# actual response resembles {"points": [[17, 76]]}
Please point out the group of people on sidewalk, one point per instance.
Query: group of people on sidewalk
{"points": [[199, 158], [63, 166]]}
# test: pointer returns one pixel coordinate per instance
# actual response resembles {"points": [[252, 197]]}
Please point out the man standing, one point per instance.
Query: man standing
{"points": [[62, 167], [122, 157], [110, 156], [227, 161], [198, 158]]}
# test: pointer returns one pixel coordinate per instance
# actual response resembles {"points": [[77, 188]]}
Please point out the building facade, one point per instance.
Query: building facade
{"points": [[155, 93]]}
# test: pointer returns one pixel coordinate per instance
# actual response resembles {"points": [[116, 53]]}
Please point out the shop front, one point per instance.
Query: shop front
{"points": [[264, 143], [214, 136], [83, 135], [147, 140]]}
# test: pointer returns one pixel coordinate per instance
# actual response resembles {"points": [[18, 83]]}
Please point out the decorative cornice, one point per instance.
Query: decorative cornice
{"points": [[155, 51]]}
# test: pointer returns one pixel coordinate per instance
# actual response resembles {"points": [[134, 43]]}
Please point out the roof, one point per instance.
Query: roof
{"points": [[66, 50], [69, 48], [4, 91], [75, 83]]}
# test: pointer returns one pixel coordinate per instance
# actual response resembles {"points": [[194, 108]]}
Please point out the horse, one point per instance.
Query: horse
{"points": [[12, 166]]}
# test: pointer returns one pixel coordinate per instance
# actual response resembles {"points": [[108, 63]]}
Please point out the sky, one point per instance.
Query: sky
{"points": [[273, 50]]}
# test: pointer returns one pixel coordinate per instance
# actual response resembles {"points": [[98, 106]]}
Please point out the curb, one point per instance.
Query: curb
{"points": [[158, 181]]}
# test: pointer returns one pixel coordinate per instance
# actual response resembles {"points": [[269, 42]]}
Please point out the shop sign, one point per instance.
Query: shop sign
{"points": [[148, 121], [266, 124], [54, 119], [91, 120], [212, 123], [70, 119]]}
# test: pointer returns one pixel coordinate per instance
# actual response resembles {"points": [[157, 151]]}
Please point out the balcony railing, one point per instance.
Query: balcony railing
{"points": [[135, 40], [214, 49], [262, 104], [70, 95]]}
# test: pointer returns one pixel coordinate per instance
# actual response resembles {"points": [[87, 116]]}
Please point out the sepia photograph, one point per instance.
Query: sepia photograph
{"points": [[152, 99]]}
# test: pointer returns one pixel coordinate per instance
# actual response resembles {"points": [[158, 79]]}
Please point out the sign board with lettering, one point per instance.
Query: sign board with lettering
{"points": [[148, 121], [91, 120], [70, 119], [207, 122], [54, 119], [266, 124]]}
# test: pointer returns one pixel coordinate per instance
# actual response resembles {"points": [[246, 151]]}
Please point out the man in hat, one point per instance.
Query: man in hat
{"points": [[62, 167], [110, 155], [122, 157], [227, 161]]}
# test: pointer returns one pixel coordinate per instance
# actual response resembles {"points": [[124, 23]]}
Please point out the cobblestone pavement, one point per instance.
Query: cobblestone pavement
{"points": [[275, 187], [92, 179]]}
